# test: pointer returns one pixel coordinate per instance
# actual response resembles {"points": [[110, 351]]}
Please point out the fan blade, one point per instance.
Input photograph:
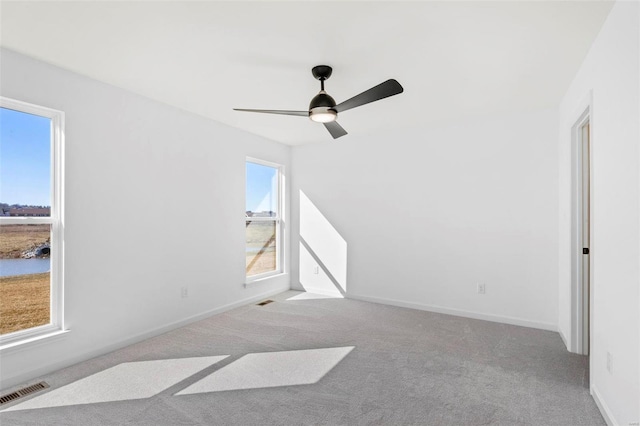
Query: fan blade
{"points": [[381, 91], [276, 111], [335, 129]]}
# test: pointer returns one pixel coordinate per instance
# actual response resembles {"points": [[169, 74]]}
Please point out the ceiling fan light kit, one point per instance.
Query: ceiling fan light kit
{"points": [[322, 114], [323, 108]]}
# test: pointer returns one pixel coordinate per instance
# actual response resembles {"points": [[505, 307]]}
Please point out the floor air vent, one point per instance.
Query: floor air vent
{"points": [[20, 393], [266, 302]]}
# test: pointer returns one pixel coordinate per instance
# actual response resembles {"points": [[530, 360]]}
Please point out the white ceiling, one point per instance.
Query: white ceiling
{"points": [[454, 59]]}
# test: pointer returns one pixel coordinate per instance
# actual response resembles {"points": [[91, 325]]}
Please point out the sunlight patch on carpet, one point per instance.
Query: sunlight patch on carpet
{"points": [[271, 369], [314, 296], [126, 381]]}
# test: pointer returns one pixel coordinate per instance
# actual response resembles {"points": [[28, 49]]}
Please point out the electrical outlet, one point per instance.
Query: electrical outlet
{"points": [[184, 292], [609, 363], [316, 270], [481, 288]]}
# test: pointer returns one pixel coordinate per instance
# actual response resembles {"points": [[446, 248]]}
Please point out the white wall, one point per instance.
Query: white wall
{"points": [[611, 73], [425, 214], [154, 201]]}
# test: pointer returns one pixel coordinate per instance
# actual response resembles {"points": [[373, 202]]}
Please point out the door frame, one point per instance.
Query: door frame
{"points": [[578, 296]]}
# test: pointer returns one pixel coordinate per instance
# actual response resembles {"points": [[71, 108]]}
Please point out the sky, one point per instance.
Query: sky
{"points": [[25, 158], [262, 188]]}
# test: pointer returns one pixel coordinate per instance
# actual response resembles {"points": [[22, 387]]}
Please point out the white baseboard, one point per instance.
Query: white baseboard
{"points": [[31, 375], [458, 312], [603, 407]]}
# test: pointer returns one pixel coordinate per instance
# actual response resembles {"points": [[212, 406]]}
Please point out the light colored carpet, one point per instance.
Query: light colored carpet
{"points": [[271, 369], [129, 380], [324, 361]]}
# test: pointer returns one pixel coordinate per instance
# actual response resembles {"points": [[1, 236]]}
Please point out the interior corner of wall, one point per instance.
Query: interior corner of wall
{"points": [[564, 339]]}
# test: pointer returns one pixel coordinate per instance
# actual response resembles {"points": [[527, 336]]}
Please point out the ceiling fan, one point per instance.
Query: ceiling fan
{"points": [[323, 108]]}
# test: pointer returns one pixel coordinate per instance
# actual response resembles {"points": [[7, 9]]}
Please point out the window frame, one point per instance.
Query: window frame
{"points": [[278, 220], [55, 220]]}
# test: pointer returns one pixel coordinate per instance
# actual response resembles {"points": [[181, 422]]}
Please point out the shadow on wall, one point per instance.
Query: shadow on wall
{"points": [[323, 253]]}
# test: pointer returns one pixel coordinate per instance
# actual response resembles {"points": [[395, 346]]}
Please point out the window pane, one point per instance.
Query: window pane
{"points": [[24, 276], [25, 164], [261, 247], [262, 191]]}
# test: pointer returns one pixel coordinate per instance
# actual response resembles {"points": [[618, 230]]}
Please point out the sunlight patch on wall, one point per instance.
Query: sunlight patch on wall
{"points": [[323, 252], [126, 381], [315, 278], [271, 369]]}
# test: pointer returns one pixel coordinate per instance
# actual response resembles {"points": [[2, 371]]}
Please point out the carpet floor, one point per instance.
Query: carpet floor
{"points": [[324, 361]]}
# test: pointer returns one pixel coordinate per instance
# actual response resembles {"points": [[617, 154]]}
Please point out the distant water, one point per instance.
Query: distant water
{"points": [[9, 267]]}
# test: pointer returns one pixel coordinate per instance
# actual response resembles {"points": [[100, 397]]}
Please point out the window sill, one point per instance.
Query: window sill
{"points": [[29, 342], [264, 280]]}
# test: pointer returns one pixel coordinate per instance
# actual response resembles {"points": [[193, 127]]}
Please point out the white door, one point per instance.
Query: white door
{"points": [[585, 214]]}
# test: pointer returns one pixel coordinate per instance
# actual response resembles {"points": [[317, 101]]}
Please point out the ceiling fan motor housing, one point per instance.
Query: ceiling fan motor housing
{"points": [[321, 108], [322, 99]]}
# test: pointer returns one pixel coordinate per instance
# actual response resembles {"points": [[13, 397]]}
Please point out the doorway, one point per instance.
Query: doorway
{"points": [[581, 232], [585, 235]]}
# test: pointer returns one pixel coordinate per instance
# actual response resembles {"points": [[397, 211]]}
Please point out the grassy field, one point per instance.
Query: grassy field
{"points": [[260, 237], [24, 299], [24, 302], [14, 239], [258, 264]]}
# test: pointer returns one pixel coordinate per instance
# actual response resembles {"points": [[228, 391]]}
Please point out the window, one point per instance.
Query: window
{"points": [[263, 219], [30, 221]]}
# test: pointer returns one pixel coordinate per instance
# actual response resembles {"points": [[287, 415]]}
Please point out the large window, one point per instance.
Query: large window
{"points": [[263, 221], [30, 221]]}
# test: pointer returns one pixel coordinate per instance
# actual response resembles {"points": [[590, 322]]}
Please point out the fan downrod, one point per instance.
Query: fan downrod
{"points": [[321, 72]]}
